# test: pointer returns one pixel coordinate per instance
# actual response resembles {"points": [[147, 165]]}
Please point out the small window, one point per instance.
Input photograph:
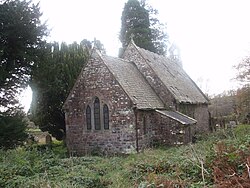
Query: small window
{"points": [[106, 116], [88, 117], [97, 114]]}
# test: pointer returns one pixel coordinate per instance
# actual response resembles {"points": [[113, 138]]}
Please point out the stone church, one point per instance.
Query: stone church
{"points": [[124, 105]]}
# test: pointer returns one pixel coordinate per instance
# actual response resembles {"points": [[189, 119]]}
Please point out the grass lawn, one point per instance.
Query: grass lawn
{"points": [[219, 159]]}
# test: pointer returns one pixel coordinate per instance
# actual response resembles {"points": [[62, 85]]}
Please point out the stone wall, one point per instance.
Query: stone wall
{"points": [[199, 112], [97, 81], [156, 129]]}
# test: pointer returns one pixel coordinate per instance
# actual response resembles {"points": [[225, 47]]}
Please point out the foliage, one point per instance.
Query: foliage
{"points": [[140, 23], [99, 46], [12, 129], [159, 35], [243, 94], [223, 107], [135, 20], [51, 81], [243, 104], [217, 160], [231, 106], [21, 38], [229, 166], [243, 69]]}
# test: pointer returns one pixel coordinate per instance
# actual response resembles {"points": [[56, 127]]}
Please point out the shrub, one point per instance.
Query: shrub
{"points": [[12, 129]]}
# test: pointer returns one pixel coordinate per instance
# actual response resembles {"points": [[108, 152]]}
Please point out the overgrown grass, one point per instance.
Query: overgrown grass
{"points": [[185, 166]]}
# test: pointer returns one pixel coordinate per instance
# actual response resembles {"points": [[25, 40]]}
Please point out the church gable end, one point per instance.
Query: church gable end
{"points": [[98, 112]]}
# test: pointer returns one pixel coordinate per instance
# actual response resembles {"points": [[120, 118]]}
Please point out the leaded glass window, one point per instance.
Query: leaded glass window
{"points": [[88, 117], [106, 116]]}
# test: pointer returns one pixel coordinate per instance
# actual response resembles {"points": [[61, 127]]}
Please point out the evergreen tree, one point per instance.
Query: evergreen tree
{"points": [[140, 22], [12, 128], [21, 38], [159, 36]]}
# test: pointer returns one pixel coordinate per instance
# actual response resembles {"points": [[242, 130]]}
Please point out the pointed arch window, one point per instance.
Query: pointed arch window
{"points": [[106, 116], [97, 114], [88, 117]]}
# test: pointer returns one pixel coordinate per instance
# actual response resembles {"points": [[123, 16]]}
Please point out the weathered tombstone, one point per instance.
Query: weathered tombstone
{"points": [[232, 124], [48, 140]]}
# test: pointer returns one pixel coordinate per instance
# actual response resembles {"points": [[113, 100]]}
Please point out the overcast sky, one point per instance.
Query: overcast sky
{"points": [[212, 35]]}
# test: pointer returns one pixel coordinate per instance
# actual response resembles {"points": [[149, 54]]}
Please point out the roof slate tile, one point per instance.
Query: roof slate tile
{"points": [[133, 83], [174, 77]]}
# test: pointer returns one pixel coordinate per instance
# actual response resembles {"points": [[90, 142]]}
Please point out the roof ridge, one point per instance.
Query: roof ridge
{"points": [[149, 51], [118, 58], [171, 66], [145, 60]]}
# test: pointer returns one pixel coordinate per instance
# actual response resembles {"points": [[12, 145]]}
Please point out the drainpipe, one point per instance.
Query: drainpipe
{"points": [[136, 129]]}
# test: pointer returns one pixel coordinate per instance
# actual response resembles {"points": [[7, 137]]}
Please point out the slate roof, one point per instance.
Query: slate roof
{"points": [[183, 119], [133, 83], [174, 78]]}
